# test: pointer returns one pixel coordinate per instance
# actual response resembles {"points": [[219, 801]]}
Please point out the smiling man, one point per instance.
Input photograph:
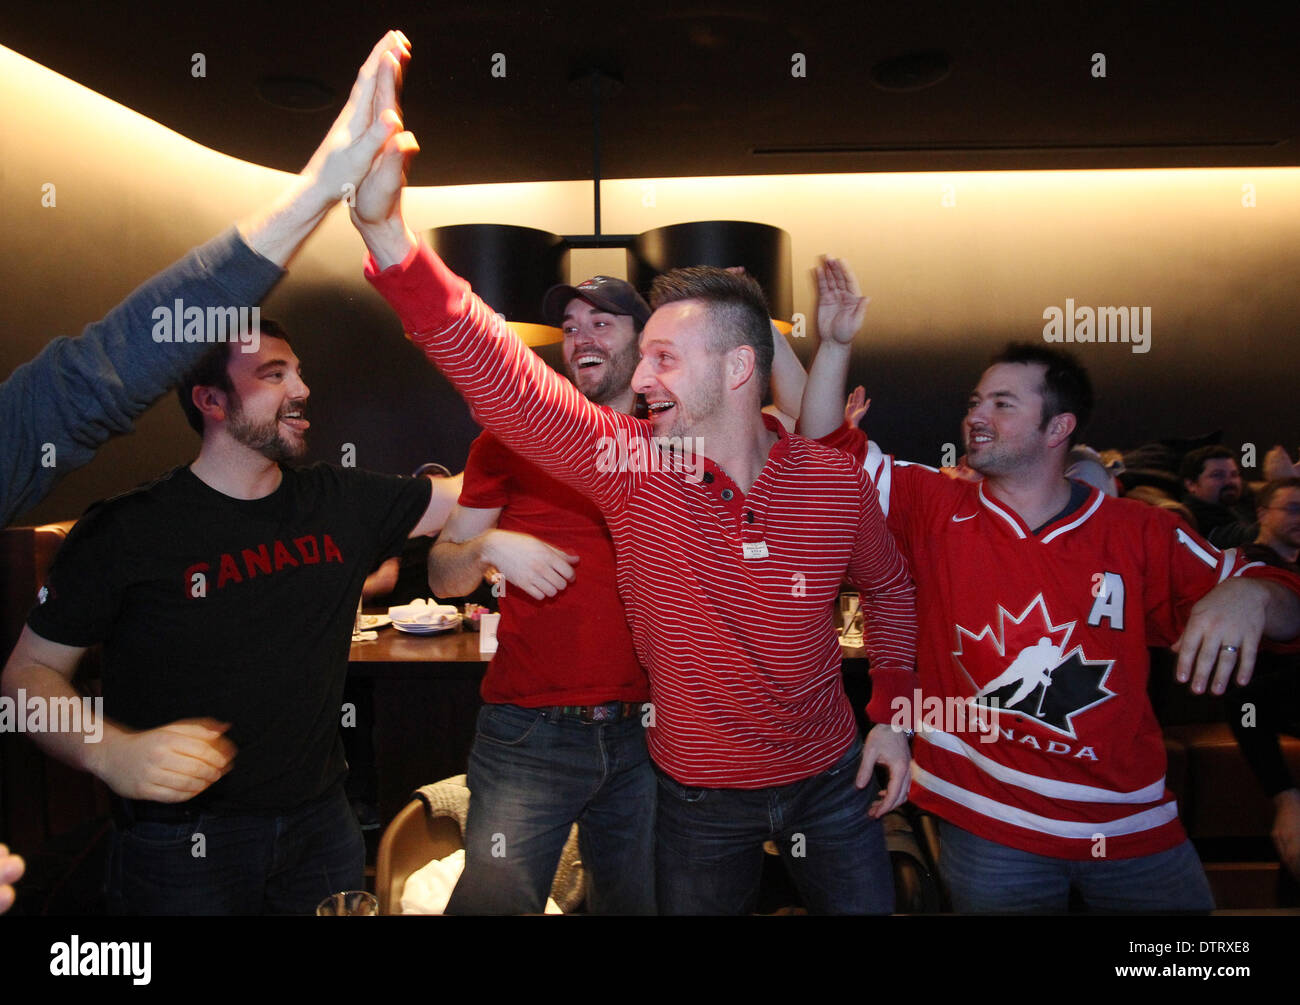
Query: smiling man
{"points": [[601, 319], [729, 578], [1040, 597], [115, 369], [224, 595], [78, 392], [560, 737]]}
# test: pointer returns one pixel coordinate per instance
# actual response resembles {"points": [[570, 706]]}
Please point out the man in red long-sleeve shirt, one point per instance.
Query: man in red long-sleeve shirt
{"points": [[728, 566]]}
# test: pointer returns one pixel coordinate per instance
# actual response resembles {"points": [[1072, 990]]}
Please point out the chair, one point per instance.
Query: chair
{"points": [[414, 838], [912, 837], [430, 827]]}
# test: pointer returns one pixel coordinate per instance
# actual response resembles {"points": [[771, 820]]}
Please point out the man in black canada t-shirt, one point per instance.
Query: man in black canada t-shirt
{"points": [[224, 595]]}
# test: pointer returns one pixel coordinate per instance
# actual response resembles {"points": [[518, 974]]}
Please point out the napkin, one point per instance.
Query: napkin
{"points": [[428, 889], [423, 612]]}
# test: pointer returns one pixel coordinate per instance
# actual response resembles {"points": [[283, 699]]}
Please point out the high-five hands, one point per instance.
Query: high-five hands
{"points": [[368, 122], [369, 119], [377, 210]]}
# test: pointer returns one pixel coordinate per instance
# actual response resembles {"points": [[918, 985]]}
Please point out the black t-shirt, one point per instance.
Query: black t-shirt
{"points": [[240, 610]]}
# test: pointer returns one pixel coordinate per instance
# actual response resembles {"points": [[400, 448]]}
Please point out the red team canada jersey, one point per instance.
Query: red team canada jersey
{"points": [[1052, 627]]}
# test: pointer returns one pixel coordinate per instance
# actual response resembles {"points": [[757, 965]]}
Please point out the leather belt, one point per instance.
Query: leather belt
{"points": [[611, 711]]}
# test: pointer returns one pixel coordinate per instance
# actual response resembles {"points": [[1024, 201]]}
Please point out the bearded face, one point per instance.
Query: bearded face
{"points": [[600, 350]]}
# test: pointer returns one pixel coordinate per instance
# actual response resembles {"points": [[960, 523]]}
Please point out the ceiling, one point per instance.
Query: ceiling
{"points": [[695, 89]]}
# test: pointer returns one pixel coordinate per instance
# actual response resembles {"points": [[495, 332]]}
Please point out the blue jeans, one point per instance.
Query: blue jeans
{"points": [[709, 844], [989, 878], [198, 862], [532, 775]]}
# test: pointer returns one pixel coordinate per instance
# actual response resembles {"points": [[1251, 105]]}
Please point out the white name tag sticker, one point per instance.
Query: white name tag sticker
{"points": [[754, 549]]}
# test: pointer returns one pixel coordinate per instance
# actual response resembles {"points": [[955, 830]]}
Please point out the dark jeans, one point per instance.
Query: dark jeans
{"points": [[709, 850], [985, 877], [532, 775], [205, 863]]}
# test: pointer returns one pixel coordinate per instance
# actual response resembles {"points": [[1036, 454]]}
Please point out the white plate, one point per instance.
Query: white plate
{"points": [[441, 622], [415, 629]]}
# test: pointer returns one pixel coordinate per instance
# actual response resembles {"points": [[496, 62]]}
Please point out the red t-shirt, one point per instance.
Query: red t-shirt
{"points": [[571, 649]]}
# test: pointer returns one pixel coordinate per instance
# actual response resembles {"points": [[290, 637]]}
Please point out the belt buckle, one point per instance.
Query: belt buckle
{"points": [[602, 713]]}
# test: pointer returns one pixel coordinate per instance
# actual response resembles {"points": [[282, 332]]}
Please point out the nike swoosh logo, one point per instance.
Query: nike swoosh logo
{"points": [[963, 519]]}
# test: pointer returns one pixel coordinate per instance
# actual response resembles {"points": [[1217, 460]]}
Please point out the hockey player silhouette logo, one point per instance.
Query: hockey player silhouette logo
{"points": [[1030, 672], [1044, 680]]}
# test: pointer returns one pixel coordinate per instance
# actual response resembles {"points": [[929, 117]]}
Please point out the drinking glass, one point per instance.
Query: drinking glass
{"points": [[348, 904], [851, 619]]}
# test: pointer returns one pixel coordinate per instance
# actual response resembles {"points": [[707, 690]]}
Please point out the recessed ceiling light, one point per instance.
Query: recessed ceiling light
{"points": [[912, 71]]}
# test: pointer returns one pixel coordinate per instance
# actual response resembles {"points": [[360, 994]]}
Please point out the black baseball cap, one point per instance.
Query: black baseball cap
{"points": [[616, 296]]}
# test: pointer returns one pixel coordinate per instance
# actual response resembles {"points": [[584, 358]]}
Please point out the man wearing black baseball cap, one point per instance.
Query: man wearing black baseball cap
{"points": [[601, 319], [561, 737], [614, 296]]}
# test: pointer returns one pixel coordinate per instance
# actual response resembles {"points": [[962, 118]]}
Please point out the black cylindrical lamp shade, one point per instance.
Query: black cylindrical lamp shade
{"points": [[510, 268], [763, 250]]}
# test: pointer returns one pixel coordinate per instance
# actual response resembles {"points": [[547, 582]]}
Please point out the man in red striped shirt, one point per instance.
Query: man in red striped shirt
{"points": [[728, 569], [1040, 597]]}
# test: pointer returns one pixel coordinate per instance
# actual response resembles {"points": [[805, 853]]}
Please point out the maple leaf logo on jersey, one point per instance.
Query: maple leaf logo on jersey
{"points": [[1027, 667]]}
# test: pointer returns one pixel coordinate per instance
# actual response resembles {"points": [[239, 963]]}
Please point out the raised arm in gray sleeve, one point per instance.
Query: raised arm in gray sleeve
{"points": [[80, 391]]}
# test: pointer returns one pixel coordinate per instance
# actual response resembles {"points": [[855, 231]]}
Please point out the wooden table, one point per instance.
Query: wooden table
{"points": [[426, 701], [397, 654], [425, 693]]}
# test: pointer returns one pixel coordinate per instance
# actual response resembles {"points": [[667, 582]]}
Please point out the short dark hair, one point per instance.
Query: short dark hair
{"points": [[1264, 497], [737, 307], [1066, 384], [1195, 461], [212, 370]]}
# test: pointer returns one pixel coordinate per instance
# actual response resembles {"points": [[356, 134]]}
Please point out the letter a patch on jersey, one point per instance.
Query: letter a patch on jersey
{"points": [[1027, 666], [1110, 601]]}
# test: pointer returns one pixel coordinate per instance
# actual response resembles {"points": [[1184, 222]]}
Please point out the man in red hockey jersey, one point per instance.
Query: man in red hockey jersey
{"points": [[1072, 790]]}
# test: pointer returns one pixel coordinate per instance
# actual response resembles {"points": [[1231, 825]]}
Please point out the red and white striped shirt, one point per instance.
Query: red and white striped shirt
{"points": [[730, 594]]}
